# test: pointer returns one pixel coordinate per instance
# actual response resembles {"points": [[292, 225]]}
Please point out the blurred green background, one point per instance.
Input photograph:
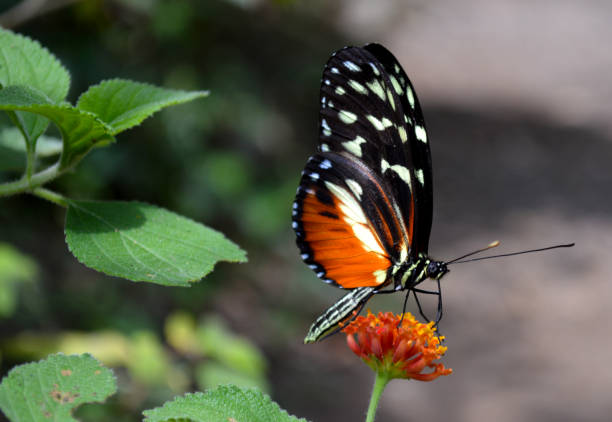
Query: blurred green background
{"points": [[520, 134]]}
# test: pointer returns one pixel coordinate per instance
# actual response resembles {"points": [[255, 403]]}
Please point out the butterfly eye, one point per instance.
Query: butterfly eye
{"points": [[433, 269]]}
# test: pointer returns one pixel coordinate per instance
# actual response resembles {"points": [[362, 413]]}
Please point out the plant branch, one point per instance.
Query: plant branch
{"points": [[49, 195], [25, 185], [30, 9]]}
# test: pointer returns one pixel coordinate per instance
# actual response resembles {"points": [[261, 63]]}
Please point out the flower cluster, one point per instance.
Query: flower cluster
{"points": [[399, 351]]}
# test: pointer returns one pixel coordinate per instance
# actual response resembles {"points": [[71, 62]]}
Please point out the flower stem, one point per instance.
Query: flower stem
{"points": [[379, 385]]}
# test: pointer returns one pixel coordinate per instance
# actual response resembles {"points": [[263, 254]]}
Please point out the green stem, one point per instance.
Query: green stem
{"points": [[49, 195], [379, 385], [25, 185]]}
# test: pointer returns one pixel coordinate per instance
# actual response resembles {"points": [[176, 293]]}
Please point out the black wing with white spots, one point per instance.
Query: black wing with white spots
{"points": [[370, 112]]}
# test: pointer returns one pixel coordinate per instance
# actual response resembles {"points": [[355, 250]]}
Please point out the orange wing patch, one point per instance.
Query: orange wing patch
{"points": [[342, 240]]}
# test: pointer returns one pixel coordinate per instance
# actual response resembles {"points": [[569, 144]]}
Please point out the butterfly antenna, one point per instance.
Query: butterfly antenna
{"points": [[566, 245], [493, 244]]}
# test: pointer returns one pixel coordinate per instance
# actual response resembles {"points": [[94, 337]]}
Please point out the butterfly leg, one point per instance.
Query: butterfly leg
{"points": [[418, 302], [399, 324]]}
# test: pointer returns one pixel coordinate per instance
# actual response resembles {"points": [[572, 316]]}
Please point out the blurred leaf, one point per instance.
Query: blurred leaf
{"points": [[226, 173], [15, 267], [25, 62], [233, 351], [52, 388], [180, 331], [172, 18], [81, 130], [269, 209], [148, 361], [111, 347], [141, 242], [211, 374], [223, 404], [123, 104]]}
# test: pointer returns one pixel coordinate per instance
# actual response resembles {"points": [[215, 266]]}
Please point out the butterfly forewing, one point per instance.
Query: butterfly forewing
{"points": [[416, 148]]}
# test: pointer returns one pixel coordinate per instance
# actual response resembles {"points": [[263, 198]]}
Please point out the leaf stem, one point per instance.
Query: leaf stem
{"points": [[49, 195], [381, 381], [25, 185]]}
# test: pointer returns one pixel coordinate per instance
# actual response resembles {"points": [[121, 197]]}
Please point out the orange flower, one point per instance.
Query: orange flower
{"points": [[397, 352]]}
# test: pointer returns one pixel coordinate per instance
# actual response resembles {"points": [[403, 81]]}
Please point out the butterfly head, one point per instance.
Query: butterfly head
{"points": [[436, 269]]}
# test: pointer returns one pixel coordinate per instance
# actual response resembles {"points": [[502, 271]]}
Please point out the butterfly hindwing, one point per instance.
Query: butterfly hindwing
{"points": [[346, 227]]}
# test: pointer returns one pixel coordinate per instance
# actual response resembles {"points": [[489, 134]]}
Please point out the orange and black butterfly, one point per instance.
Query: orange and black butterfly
{"points": [[362, 213], [363, 210]]}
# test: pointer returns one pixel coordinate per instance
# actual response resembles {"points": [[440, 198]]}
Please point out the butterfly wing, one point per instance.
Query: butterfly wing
{"points": [[344, 222], [370, 112], [364, 201], [416, 149]]}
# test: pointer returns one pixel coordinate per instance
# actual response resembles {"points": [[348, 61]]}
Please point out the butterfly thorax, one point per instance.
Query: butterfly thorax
{"points": [[414, 270]]}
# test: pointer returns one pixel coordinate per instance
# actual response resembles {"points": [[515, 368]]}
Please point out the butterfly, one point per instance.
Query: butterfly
{"points": [[363, 209]]}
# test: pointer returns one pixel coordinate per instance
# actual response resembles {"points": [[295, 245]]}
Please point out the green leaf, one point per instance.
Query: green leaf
{"points": [[25, 62], [223, 404], [49, 390], [123, 104], [142, 242], [81, 130], [236, 352]]}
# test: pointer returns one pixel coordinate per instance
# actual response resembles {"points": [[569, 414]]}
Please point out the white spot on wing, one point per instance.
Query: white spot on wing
{"points": [[377, 88], [378, 124], [400, 170], [326, 128], [374, 69], [355, 187], [314, 176], [354, 146], [351, 66], [410, 96], [384, 166], [396, 86], [324, 147], [420, 177], [325, 164], [380, 275], [334, 70], [294, 225], [347, 117], [340, 90], [402, 133], [349, 206], [420, 133], [357, 87]]}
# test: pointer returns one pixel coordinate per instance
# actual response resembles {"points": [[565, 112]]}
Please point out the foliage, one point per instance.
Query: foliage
{"points": [[52, 388], [225, 403], [135, 241]]}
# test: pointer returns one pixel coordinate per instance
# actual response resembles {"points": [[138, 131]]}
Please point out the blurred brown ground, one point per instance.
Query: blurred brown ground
{"points": [[527, 160]]}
